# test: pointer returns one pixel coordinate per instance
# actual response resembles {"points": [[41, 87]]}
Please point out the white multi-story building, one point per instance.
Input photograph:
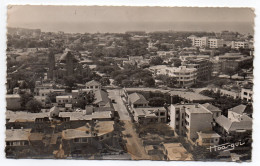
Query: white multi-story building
{"points": [[238, 44], [215, 43], [206, 42], [199, 41], [188, 119], [247, 94], [185, 76]]}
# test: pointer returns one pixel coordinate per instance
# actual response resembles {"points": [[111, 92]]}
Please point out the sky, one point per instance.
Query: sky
{"points": [[120, 19]]}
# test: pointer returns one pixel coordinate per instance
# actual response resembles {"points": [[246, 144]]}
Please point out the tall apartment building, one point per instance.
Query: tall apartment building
{"points": [[189, 119], [203, 66], [206, 42], [186, 77], [216, 67]]}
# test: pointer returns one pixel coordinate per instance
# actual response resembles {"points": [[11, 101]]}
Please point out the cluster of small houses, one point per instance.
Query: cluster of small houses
{"points": [[65, 132], [61, 130], [202, 124]]}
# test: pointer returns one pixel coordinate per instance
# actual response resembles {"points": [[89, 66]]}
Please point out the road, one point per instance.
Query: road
{"points": [[134, 144], [119, 105]]}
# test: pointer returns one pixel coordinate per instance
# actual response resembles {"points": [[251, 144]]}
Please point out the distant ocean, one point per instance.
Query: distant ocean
{"points": [[121, 27]]}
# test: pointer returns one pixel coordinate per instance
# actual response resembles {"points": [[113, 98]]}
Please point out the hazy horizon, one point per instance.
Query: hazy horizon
{"points": [[92, 19]]}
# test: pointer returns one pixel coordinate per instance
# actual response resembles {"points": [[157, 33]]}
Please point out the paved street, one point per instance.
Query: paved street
{"points": [[134, 144], [119, 105]]}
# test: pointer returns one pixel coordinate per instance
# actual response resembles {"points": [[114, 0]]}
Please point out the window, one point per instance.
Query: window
{"points": [[96, 87], [162, 119], [245, 93], [177, 111], [162, 114], [76, 140], [84, 140]]}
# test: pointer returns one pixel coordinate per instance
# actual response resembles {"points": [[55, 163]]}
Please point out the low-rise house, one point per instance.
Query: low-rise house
{"points": [[236, 126], [136, 100], [25, 142], [215, 110], [101, 99], [176, 152], [208, 138], [93, 85], [238, 110], [17, 137], [42, 121], [150, 115], [46, 92], [62, 100], [88, 138], [27, 120], [235, 94]]}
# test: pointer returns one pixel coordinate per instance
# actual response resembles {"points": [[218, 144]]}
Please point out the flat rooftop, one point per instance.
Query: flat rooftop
{"points": [[197, 109], [82, 116], [17, 134], [177, 152], [101, 127], [21, 116]]}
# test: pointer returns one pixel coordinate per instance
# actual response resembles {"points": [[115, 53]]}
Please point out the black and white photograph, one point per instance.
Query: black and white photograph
{"points": [[129, 83]]}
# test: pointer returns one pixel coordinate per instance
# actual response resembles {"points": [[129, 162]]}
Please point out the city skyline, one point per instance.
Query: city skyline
{"points": [[92, 19]]}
